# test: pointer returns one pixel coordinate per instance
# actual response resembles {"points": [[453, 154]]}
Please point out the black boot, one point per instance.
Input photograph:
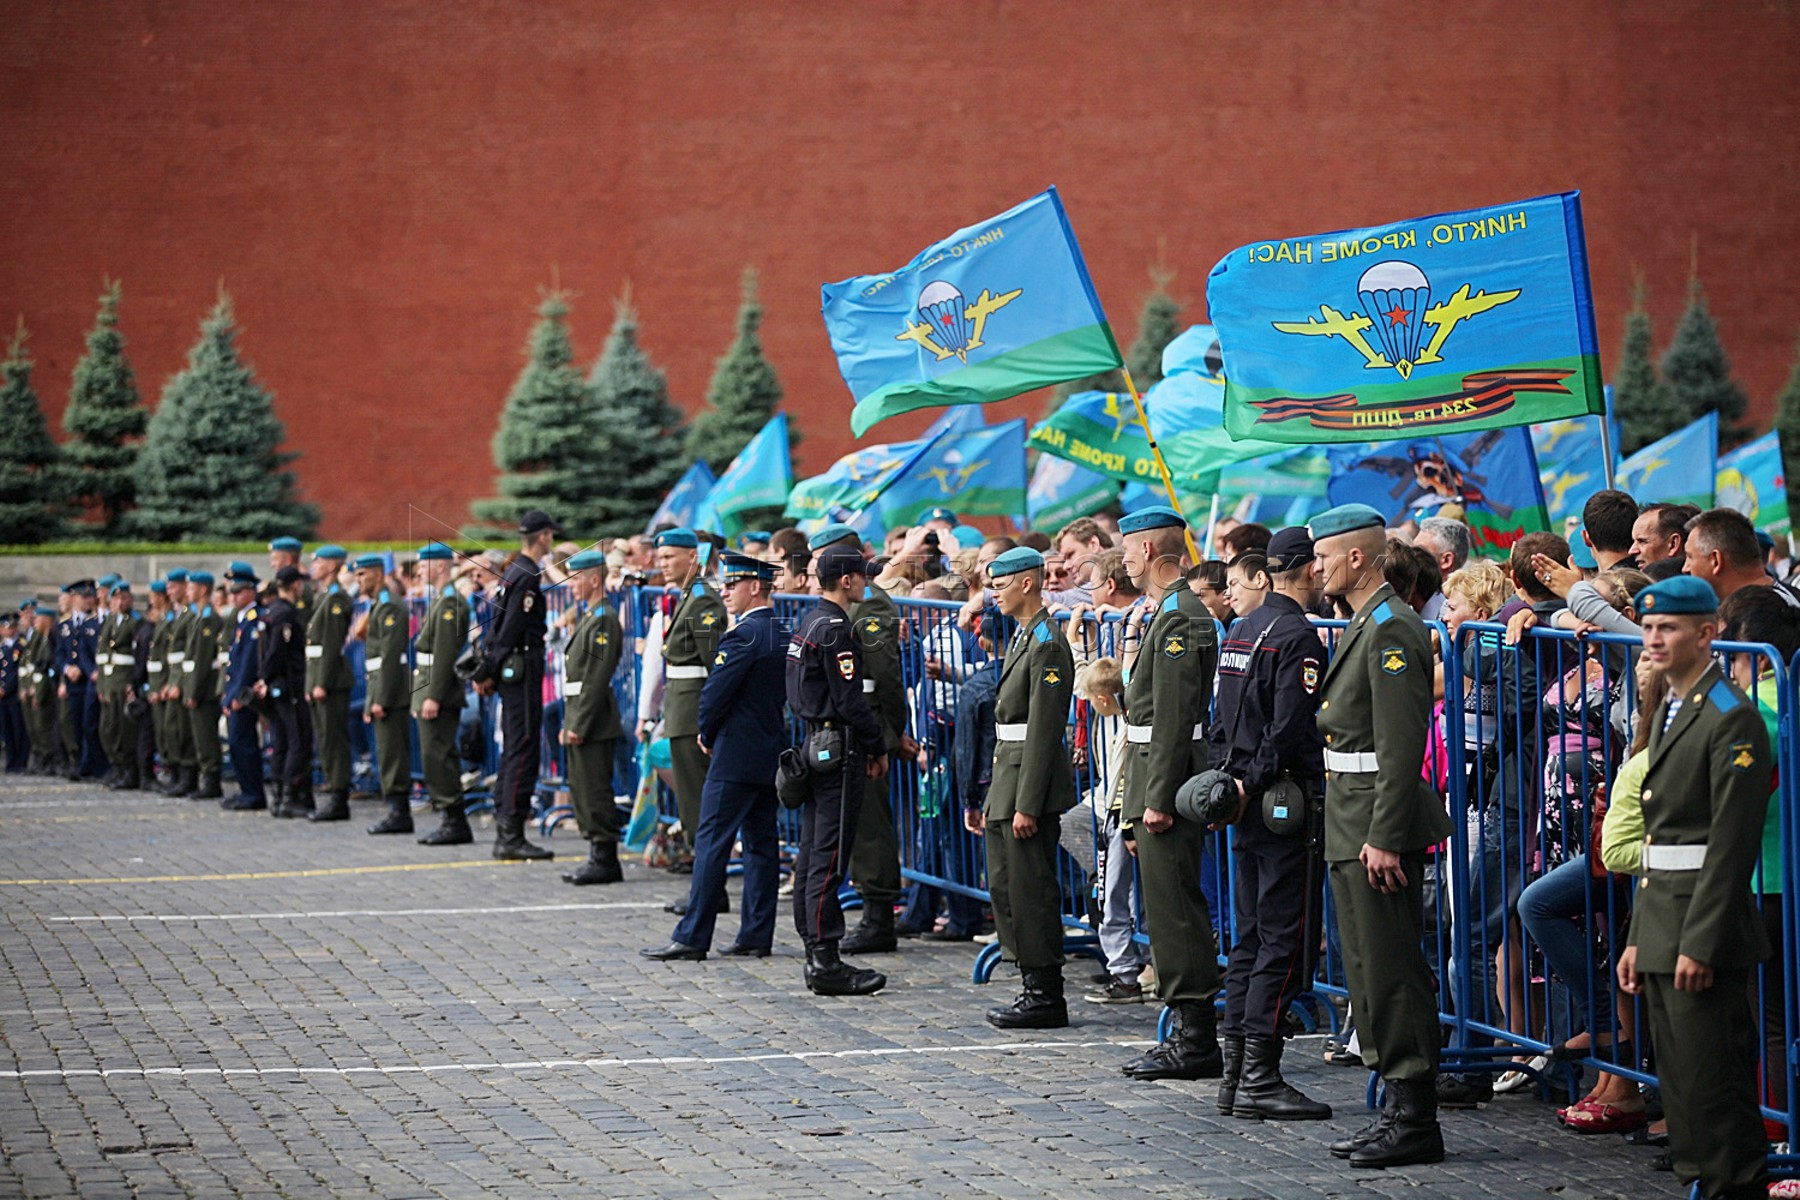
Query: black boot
{"points": [[398, 819], [185, 779], [1191, 1051], [1413, 1135], [127, 781], [1345, 1147], [452, 830], [1234, 1068], [875, 934], [1040, 1004], [1264, 1095], [208, 788], [294, 802], [510, 843], [337, 807], [602, 866], [828, 975]]}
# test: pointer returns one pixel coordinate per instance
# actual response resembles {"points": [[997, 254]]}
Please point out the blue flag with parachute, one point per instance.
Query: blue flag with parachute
{"points": [[1062, 490], [1677, 469], [685, 498], [759, 477], [1753, 480], [978, 472]]}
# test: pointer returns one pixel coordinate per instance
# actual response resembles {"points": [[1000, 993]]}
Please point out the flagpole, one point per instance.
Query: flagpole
{"points": [[1161, 466], [1212, 523], [1606, 446]]}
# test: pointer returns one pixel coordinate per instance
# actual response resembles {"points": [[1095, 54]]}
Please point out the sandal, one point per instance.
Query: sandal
{"points": [[1512, 1081], [1592, 1117], [1784, 1189]]}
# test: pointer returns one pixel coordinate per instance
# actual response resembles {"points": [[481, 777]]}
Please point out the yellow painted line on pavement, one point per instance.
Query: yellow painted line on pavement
{"points": [[231, 875]]}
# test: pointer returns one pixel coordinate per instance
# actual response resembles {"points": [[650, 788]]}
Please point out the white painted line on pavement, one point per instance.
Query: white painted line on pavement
{"points": [[350, 912], [563, 1064]]}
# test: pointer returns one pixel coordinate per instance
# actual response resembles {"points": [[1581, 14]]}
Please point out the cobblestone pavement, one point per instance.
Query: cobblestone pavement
{"points": [[201, 1003]]}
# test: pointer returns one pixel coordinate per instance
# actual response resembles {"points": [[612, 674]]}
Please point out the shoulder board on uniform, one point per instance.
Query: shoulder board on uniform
{"points": [[1041, 631], [1382, 613], [1722, 697], [699, 590], [1172, 601]]}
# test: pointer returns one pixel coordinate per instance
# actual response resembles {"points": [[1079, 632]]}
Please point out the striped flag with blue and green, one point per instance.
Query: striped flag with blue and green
{"points": [[993, 310], [759, 477], [1463, 321]]}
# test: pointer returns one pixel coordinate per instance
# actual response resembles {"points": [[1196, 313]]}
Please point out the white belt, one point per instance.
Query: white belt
{"points": [[1010, 733], [315, 652], [1138, 735], [37, 677], [687, 672], [122, 660], [220, 659], [1674, 858], [153, 665], [1351, 764], [868, 687], [422, 659], [571, 688], [176, 656], [371, 664], [187, 666]]}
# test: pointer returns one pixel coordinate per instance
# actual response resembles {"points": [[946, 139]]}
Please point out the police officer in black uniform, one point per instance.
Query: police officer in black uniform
{"points": [[281, 684], [825, 691], [1267, 739], [514, 666]]}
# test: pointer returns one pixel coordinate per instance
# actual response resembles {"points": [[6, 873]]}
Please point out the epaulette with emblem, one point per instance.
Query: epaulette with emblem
{"points": [[1722, 697]]}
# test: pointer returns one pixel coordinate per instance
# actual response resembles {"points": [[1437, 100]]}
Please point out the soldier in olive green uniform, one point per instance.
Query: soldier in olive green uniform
{"points": [[178, 730], [437, 696], [385, 705], [156, 669], [688, 648], [1696, 936], [590, 728], [1167, 697], [37, 684], [114, 662], [328, 682], [199, 684], [1033, 785], [1380, 817]]}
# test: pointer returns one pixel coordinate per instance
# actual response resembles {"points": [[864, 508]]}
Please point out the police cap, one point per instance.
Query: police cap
{"points": [[1209, 798], [1290, 549], [1679, 595], [534, 521], [289, 574], [835, 562]]}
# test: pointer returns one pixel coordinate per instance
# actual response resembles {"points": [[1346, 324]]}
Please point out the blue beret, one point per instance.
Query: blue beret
{"points": [[331, 550], [28, 605], [436, 552], [203, 578], [108, 579], [1157, 516], [1019, 558], [1678, 595], [242, 569], [1345, 518], [939, 514], [1582, 554], [158, 586], [370, 562], [587, 560], [967, 536], [178, 575], [291, 545], [683, 538], [742, 566], [831, 535], [757, 535], [121, 585], [1765, 539]]}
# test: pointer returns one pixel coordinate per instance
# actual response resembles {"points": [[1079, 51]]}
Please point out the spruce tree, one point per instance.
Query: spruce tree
{"points": [[1698, 373], [32, 496], [1157, 327], [211, 467], [1643, 406], [104, 419], [638, 440], [539, 447], [744, 392], [1787, 425]]}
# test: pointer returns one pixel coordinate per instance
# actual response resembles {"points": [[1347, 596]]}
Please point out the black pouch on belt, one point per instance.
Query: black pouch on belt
{"points": [[825, 751], [1284, 808]]}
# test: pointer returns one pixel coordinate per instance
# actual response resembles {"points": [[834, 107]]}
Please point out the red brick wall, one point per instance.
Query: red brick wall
{"points": [[384, 186]]}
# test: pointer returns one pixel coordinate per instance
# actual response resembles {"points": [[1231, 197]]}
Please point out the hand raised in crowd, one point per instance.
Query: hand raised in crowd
{"points": [[1558, 577]]}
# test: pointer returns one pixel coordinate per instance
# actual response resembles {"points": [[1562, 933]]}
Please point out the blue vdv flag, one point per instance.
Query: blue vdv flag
{"points": [[1062, 490], [1195, 351], [759, 477], [976, 473], [993, 310], [855, 482], [1753, 480], [1571, 458], [1463, 321], [1677, 469], [1487, 479], [684, 499]]}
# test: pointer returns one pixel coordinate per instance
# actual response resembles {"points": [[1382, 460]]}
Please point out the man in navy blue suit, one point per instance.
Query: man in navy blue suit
{"points": [[743, 730]]}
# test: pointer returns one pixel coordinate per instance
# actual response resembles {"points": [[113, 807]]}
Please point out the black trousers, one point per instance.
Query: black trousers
{"points": [[290, 723], [827, 831], [1275, 894], [521, 729]]}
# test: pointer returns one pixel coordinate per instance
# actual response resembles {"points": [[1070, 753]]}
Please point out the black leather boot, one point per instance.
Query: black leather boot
{"points": [[1264, 1095], [1413, 1135], [602, 866], [208, 788], [828, 975], [1040, 1004], [398, 819], [1234, 1068], [185, 779], [337, 807], [1191, 1051], [127, 781], [453, 829], [1345, 1147], [510, 843], [874, 934], [295, 802]]}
